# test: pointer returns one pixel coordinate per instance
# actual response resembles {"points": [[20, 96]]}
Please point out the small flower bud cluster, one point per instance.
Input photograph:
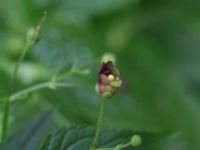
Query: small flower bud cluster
{"points": [[34, 33], [108, 81]]}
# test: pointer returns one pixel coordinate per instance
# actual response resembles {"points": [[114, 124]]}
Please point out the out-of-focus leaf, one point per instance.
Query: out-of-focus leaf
{"points": [[29, 137], [66, 53], [76, 138]]}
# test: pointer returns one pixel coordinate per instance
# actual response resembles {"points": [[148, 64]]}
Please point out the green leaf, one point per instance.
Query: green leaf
{"points": [[80, 138], [29, 137], [65, 53]]}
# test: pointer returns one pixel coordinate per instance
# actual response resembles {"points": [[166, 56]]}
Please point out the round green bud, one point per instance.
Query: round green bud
{"points": [[106, 95], [116, 83], [136, 140], [32, 35], [109, 57]]}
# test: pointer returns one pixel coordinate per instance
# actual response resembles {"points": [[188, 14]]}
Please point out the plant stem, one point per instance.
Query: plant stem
{"points": [[125, 145], [28, 90], [116, 147], [7, 101], [27, 46], [104, 149], [25, 49], [99, 125], [37, 87], [5, 119]]}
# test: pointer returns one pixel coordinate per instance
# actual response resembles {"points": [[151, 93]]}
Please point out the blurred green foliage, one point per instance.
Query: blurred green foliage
{"points": [[157, 47]]}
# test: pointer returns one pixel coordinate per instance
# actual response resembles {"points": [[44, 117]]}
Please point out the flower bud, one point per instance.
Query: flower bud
{"points": [[108, 56], [108, 80], [33, 35], [136, 140]]}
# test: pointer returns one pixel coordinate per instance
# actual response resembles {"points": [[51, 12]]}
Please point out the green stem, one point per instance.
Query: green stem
{"points": [[104, 149], [19, 94], [116, 147], [5, 119], [37, 87], [25, 49], [28, 90], [99, 125], [7, 101], [28, 45], [125, 145]]}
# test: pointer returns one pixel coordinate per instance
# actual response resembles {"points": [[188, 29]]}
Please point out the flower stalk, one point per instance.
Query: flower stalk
{"points": [[49, 84], [99, 125], [31, 39], [107, 85]]}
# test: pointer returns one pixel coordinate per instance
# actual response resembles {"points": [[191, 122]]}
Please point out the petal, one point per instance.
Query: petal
{"points": [[106, 68], [103, 79]]}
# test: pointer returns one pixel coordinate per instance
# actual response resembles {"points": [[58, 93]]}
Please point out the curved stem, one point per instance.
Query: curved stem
{"points": [[28, 90], [99, 125], [13, 77], [7, 102], [37, 87]]}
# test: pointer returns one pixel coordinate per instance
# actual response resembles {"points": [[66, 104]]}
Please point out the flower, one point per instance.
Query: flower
{"points": [[108, 80]]}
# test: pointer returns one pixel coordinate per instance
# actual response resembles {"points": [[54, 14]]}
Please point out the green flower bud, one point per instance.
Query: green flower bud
{"points": [[32, 35], [108, 57], [136, 140]]}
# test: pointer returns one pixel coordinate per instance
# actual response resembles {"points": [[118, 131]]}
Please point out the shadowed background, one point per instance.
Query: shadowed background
{"points": [[157, 46]]}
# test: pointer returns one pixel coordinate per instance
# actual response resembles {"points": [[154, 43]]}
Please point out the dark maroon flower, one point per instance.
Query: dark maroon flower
{"points": [[108, 81]]}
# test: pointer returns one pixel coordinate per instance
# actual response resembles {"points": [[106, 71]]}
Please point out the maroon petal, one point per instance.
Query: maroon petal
{"points": [[107, 68]]}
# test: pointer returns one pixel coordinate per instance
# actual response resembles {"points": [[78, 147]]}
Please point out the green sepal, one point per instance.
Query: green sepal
{"points": [[116, 83]]}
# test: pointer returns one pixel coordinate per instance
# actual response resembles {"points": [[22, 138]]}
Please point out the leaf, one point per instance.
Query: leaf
{"points": [[66, 53], [29, 137], [76, 138]]}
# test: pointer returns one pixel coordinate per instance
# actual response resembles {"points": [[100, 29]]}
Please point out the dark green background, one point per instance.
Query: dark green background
{"points": [[157, 46]]}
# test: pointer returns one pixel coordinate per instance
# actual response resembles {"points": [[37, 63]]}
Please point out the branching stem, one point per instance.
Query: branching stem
{"points": [[37, 87], [6, 109]]}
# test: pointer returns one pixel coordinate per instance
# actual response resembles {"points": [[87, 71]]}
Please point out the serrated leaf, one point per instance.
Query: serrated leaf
{"points": [[29, 137], [80, 138]]}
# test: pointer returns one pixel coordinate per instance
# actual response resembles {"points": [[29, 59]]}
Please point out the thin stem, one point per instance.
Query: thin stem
{"points": [[25, 49], [57, 84], [104, 149], [99, 125], [13, 77], [37, 87], [7, 102], [116, 147], [28, 90], [125, 145], [5, 119]]}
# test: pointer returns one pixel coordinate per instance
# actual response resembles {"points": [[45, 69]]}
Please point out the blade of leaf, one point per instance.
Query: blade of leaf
{"points": [[29, 137], [81, 137]]}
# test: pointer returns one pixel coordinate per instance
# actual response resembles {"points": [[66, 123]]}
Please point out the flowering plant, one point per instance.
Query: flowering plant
{"points": [[108, 80]]}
